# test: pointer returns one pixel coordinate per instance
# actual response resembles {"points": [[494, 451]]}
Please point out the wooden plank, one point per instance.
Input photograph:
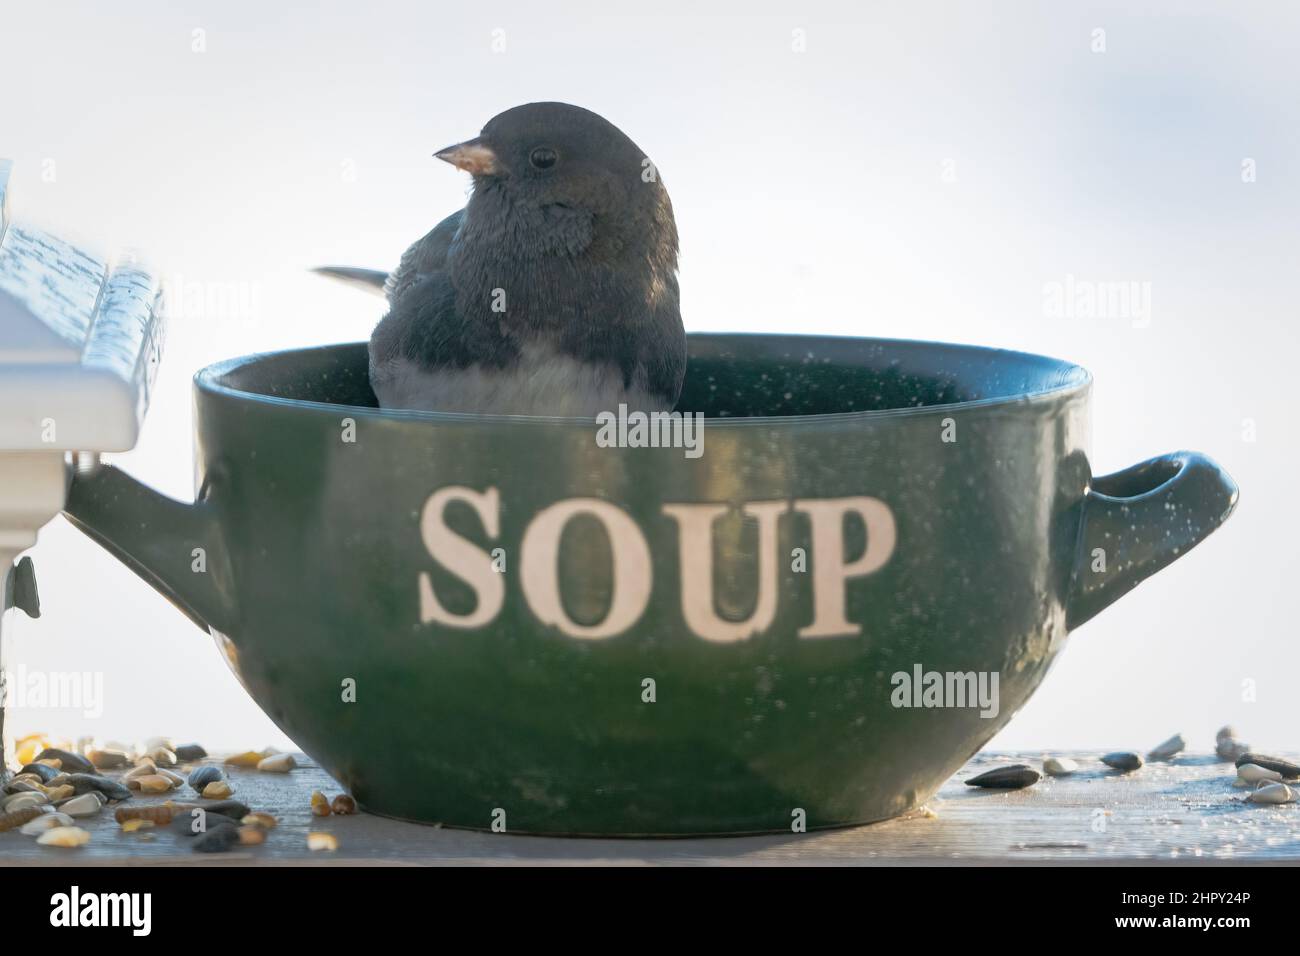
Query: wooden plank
{"points": [[1184, 811], [80, 343]]}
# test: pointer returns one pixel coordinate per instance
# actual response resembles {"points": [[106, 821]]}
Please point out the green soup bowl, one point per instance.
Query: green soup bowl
{"points": [[806, 609]]}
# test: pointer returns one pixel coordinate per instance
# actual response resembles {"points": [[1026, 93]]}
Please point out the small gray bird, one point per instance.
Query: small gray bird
{"points": [[553, 292]]}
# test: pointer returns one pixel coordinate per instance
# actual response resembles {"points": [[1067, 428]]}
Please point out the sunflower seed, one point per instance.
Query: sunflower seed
{"points": [[1227, 731], [1060, 766], [278, 763], [46, 821], [228, 808], [42, 770], [188, 753], [1230, 748], [1174, 745], [251, 835], [1272, 793], [249, 758], [86, 805], [218, 839], [1123, 761], [15, 819], [151, 783], [86, 782], [1012, 777], [108, 759], [343, 805], [154, 813], [20, 801], [1254, 773], [144, 768], [317, 840], [162, 757], [64, 836], [1286, 768], [68, 762], [200, 777]]}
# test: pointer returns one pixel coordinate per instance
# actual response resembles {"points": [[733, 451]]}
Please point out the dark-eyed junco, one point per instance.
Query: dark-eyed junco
{"points": [[553, 292]]}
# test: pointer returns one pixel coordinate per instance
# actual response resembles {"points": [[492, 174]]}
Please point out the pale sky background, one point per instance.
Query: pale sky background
{"points": [[811, 195]]}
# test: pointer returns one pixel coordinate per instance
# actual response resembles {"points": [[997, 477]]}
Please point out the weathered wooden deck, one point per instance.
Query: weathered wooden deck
{"points": [[1184, 811]]}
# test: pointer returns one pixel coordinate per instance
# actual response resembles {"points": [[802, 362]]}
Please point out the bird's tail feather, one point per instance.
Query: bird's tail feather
{"points": [[372, 280]]}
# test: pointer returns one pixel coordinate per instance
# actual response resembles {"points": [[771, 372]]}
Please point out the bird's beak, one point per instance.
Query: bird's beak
{"points": [[474, 156]]}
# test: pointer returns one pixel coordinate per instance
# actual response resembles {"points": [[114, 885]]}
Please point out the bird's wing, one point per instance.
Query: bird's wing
{"points": [[371, 280], [425, 257], [418, 326]]}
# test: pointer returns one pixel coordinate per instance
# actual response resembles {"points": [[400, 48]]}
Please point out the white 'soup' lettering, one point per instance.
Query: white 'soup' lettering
{"points": [[632, 567]]}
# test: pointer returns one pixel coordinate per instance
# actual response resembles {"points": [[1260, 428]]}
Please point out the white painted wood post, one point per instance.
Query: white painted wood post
{"points": [[80, 343]]}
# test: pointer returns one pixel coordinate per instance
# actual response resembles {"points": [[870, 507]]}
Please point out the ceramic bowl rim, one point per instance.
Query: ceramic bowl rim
{"points": [[1074, 380]]}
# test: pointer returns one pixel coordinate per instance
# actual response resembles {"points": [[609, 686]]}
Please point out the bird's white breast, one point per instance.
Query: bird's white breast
{"points": [[544, 382]]}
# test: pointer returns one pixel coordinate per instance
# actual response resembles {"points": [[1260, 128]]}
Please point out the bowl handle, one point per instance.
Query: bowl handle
{"points": [[174, 546], [1140, 519]]}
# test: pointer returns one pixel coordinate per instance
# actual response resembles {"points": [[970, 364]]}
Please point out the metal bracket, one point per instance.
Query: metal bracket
{"points": [[20, 588]]}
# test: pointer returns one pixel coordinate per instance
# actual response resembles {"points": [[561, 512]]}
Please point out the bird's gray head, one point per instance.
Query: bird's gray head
{"points": [[565, 179]]}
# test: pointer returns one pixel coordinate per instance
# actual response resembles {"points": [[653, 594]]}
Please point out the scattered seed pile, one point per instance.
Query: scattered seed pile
{"points": [[1271, 779], [57, 785]]}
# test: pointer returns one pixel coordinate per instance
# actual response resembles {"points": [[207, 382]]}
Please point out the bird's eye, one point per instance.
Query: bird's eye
{"points": [[543, 157]]}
